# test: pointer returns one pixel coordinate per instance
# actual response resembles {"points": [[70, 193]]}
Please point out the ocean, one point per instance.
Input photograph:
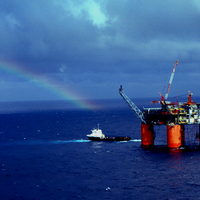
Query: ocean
{"points": [[45, 154]]}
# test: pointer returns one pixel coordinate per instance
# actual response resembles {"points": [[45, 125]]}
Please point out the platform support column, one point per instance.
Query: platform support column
{"points": [[147, 135], [174, 136], [199, 134], [182, 134]]}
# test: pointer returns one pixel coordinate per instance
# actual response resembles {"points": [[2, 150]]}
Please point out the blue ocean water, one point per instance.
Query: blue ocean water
{"points": [[45, 154]]}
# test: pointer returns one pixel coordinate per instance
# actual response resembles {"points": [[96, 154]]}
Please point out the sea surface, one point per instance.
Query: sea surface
{"points": [[45, 154]]}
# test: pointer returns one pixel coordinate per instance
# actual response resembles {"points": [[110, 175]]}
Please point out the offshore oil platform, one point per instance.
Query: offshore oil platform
{"points": [[175, 115]]}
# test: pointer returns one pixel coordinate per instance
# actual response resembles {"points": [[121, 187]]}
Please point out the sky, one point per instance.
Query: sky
{"points": [[86, 49]]}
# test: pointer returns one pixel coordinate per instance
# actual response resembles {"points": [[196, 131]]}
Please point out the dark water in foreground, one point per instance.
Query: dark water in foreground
{"points": [[46, 155]]}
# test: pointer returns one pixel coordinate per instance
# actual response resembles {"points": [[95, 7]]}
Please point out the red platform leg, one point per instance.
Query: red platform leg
{"points": [[147, 135], [174, 136], [182, 135], [199, 134]]}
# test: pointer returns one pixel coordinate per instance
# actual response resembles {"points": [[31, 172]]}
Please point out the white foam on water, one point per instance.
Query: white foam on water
{"points": [[108, 188], [135, 140], [69, 141]]}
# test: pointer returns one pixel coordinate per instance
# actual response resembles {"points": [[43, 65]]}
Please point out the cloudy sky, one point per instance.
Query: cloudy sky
{"points": [[88, 48]]}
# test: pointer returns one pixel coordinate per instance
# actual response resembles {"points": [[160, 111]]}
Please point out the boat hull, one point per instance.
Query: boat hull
{"points": [[118, 138]]}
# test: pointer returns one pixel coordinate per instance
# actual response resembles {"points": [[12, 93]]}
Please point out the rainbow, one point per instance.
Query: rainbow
{"points": [[61, 91]]}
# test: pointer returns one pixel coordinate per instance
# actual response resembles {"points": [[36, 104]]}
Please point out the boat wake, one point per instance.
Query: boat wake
{"points": [[45, 142], [69, 141], [135, 140]]}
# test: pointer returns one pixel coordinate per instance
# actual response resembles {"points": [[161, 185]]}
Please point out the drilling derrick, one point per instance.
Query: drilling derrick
{"points": [[175, 115]]}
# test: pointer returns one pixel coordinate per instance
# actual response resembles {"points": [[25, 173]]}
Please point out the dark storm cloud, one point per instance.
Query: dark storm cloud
{"points": [[103, 42], [46, 31]]}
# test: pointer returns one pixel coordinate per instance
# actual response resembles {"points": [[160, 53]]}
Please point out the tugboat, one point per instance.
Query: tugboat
{"points": [[97, 135]]}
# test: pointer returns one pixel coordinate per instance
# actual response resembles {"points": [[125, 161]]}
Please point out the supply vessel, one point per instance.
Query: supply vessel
{"points": [[97, 135], [175, 115]]}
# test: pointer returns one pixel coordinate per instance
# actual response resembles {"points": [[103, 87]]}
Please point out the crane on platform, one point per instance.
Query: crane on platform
{"points": [[170, 81], [134, 108], [163, 100]]}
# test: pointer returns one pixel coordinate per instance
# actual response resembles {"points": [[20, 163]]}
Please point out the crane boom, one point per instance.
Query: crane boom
{"points": [[170, 81], [135, 109]]}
